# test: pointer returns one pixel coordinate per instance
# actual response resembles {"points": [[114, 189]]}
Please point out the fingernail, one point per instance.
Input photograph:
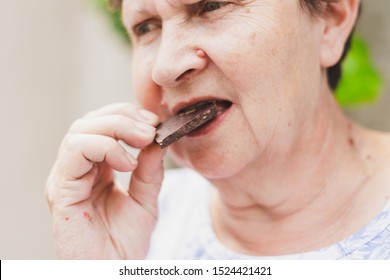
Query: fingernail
{"points": [[148, 116], [145, 127]]}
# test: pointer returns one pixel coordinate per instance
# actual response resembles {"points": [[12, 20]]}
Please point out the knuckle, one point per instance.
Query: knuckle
{"points": [[130, 107], [50, 191], [71, 142], [50, 198], [111, 144], [94, 113], [76, 126], [120, 120], [123, 127]]}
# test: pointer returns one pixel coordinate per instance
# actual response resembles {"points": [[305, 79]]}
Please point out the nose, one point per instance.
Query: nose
{"points": [[178, 57]]}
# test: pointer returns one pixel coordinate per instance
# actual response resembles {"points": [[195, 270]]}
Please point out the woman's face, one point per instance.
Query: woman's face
{"points": [[262, 56]]}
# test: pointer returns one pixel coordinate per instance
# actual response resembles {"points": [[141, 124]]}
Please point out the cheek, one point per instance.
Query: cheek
{"points": [[266, 76], [247, 59], [223, 154], [147, 92]]}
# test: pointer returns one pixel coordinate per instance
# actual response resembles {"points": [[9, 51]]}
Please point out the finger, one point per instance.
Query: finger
{"points": [[79, 152], [70, 192], [74, 174], [135, 133], [147, 178], [126, 109]]}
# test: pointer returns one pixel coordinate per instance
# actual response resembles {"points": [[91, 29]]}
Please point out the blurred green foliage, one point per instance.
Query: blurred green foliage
{"points": [[360, 83], [114, 16]]}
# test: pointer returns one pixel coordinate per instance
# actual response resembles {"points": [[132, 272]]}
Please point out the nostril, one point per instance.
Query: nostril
{"points": [[185, 75]]}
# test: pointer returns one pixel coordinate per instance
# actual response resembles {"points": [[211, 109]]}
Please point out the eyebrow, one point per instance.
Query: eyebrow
{"points": [[184, 2], [140, 10], [138, 7]]}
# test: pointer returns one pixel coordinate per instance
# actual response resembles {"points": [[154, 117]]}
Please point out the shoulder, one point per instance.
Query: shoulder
{"points": [[381, 161], [376, 236], [375, 153], [381, 140]]}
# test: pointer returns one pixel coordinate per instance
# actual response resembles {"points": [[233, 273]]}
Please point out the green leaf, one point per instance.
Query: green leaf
{"points": [[114, 16], [361, 82]]}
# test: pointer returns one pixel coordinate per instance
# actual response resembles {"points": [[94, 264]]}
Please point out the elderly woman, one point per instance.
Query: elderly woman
{"points": [[279, 173]]}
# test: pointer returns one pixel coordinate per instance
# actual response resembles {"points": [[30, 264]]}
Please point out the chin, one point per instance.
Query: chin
{"points": [[216, 164]]}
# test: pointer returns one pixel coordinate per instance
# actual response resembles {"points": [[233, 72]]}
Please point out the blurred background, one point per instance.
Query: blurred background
{"points": [[60, 59]]}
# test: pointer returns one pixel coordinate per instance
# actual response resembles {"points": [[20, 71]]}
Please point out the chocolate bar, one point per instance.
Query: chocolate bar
{"points": [[178, 126]]}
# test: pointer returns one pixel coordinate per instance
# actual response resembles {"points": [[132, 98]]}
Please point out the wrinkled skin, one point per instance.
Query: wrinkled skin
{"points": [[94, 217], [292, 154]]}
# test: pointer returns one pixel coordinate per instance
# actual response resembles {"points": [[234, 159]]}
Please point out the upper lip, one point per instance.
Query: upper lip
{"points": [[184, 104]]}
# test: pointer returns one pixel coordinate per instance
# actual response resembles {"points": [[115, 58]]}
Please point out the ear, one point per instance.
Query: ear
{"points": [[339, 18]]}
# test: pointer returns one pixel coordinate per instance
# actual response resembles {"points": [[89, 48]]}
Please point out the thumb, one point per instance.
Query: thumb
{"points": [[145, 183]]}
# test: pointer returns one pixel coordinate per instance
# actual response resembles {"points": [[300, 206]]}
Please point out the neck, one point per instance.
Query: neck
{"points": [[295, 191]]}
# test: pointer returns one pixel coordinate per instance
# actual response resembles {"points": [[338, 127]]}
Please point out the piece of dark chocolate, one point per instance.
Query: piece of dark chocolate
{"points": [[178, 126]]}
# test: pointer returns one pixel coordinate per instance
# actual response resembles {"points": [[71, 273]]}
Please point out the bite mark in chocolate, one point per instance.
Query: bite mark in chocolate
{"points": [[188, 120]]}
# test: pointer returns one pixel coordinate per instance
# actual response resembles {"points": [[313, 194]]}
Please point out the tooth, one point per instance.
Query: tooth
{"points": [[205, 114]]}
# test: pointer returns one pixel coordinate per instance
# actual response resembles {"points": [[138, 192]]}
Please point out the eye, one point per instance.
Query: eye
{"points": [[209, 6], [146, 27]]}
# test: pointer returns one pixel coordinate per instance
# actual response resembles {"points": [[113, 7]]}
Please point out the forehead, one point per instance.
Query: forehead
{"points": [[181, 2], [174, 3], [134, 4], [133, 8], [142, 5]]}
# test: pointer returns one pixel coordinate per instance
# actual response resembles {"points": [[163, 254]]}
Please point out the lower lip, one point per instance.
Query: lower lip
{"points": [[210, 126]]}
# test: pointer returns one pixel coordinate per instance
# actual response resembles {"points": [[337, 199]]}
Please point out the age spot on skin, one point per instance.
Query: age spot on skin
{"points": [[67, 219], [87, 216], [351, 141]]}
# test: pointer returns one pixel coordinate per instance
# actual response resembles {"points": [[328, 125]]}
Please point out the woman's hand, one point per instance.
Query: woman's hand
{"points": [[94, 217]]}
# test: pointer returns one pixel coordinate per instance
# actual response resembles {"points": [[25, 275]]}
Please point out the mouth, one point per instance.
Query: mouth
{"points": [[193, 120], [222, 105]]}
